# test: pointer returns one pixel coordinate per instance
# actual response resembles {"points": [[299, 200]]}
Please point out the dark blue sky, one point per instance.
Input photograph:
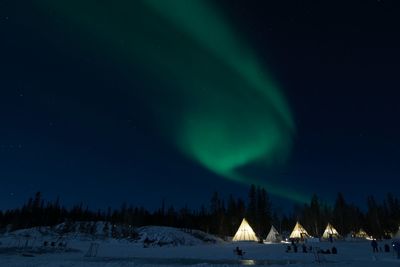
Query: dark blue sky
{"points": [[73, 123]]}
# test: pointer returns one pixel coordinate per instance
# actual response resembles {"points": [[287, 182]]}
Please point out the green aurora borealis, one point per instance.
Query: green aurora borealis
{"points": [[210, 96]]}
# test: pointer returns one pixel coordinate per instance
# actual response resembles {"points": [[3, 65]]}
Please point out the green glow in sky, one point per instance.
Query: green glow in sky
{"points": [[210, 96]]}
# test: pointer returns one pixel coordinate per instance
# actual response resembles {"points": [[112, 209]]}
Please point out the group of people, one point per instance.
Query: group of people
{"points": [[54, 244], [306, 249], [333, 250], [395, 245], [376, 248]]}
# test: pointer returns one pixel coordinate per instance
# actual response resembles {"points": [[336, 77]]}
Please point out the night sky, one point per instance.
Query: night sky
{"points": [[139, 101]]}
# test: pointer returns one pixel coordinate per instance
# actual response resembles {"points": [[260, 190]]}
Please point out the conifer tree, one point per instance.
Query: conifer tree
{"points": [[252, 206]]}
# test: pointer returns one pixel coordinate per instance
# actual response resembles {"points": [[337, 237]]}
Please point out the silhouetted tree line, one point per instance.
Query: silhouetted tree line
{"points": [[379, 220], [222, 217]]}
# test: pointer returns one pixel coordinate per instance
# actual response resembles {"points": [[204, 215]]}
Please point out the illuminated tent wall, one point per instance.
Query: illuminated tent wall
{"points": [[397, 235], [361, 234], [273, 236], [330, 230], [245, 232], [299, 232]]}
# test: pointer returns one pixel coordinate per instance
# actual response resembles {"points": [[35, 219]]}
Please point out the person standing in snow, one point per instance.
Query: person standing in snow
{"points": [[374, 245], [387, 248], [396, 248]]}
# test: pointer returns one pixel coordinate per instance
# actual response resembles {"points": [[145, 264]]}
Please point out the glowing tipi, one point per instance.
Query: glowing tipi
{"points": [[299, 232], [245, 233], [330, 231], [273, 235], [361, 234], [397, 235]]}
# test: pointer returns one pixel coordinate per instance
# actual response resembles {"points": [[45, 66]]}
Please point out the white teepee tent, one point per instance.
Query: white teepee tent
{"points": [[361, 234], [273, 236], [299, 232], [245, 233], [330, 231], [397, 235]]}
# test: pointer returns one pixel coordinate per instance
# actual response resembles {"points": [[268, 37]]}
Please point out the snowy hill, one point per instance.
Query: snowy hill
{"points": [[102, 231], [161, 236]]}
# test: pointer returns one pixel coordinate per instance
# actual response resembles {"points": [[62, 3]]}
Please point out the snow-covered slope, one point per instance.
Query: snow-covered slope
{"points": [[101, 231], [161, 236]]}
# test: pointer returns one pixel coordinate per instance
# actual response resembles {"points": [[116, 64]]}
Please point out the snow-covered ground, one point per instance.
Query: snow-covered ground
{"points": [[177, 248]]}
